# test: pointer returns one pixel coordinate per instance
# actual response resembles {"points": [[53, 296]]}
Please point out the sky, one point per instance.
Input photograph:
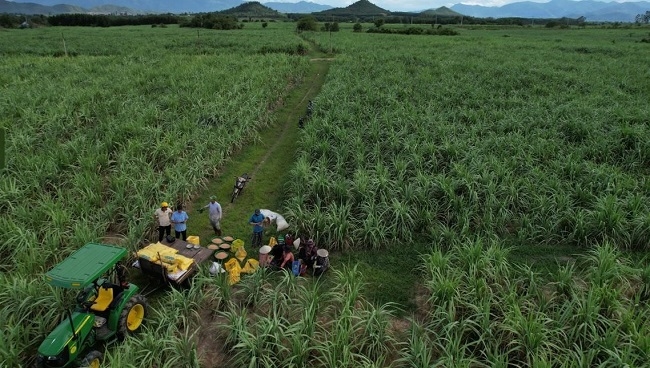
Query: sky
{"points": [[412, 5], [416, 5]]}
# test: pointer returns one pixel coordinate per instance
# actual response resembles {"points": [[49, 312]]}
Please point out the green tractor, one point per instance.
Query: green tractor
{"points": [[107, 307]]}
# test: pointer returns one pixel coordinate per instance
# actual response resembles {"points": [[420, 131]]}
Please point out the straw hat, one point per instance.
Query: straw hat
{"points": [[221, 255], [228, 238], [322, 253], [265, 249]]}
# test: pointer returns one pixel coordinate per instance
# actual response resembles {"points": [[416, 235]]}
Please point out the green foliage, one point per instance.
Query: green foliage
{"points": [[297, 49], [307, 24], [643, 18], [416, 31], [98, 20], [80, 20], [298, 323], [483, 310], [119, 104], [357, 27], [331, 27], [478, 158], [379, 22], [212, 21]]}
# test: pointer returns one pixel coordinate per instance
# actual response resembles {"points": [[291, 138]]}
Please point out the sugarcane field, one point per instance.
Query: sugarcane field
{"points": [[267, 196]]}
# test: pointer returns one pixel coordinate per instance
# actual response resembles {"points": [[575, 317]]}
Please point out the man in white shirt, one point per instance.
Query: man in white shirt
{"points": [[163, 214], [214, 213]]}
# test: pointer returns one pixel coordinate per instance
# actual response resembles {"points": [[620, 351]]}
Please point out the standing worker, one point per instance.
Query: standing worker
{"points": [[214, 214], [179, 219], [256, 220], [163, 214]]}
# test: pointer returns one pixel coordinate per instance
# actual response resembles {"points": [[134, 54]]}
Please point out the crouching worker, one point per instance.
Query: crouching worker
{"points": [[322, 262], [287, 258], [277, 254], [307, 253]]}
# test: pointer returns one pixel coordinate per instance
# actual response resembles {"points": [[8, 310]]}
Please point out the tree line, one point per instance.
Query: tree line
{"points": [[643, 18], [100, 20]]}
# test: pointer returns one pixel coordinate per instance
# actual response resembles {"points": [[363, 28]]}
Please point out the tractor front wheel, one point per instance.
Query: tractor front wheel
{"points": [[92, 360], [132, 315]]}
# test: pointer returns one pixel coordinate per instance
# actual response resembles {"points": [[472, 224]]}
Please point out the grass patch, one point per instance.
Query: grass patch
{"points": [[390, 275]]}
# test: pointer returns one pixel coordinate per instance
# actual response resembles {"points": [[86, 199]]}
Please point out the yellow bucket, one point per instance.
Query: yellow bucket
{"points": [[193, 239]]}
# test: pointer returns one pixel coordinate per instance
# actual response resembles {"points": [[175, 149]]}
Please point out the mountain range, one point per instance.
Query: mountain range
{"points": [[590, 9]]}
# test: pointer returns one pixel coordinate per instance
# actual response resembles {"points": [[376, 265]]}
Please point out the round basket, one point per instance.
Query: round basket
{"points": [[228, 238], [213, 246], [217, 241], [224, 246], [221, 255]]}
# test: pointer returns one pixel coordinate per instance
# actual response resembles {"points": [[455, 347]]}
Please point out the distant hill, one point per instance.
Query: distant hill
{"points": [[33, 8], [253, 9], [590, 9], [151, 6], [442, 11], [361, 8], [302, 7], [112, 9]]}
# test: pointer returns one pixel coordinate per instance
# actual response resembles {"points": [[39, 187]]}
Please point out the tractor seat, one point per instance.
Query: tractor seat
{"points": [[103, 300]]}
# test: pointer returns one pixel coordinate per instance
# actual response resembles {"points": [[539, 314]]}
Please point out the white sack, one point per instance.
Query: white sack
{"points": [[279, 220]]}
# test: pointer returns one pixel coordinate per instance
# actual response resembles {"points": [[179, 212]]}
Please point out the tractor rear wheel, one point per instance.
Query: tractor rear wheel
{"points": [[92, 360], [132, 315]]}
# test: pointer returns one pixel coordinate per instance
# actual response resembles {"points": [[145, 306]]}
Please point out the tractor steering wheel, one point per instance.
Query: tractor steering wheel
{"points": [[85, 294]]}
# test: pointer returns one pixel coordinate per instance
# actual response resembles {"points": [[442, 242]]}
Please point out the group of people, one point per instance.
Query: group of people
{"points": [[166, 218], [307, 256], [282, 254]]}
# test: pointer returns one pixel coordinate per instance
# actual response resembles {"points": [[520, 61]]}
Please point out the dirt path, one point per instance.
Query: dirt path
{"points": [[267, 161], [289, 122]]}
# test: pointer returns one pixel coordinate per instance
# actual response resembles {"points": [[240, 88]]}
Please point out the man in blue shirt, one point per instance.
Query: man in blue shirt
{"points": [[256, 220], [179, 219]]}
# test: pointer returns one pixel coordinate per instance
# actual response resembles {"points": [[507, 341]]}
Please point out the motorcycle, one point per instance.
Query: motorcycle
{"points": [[240, 183]]}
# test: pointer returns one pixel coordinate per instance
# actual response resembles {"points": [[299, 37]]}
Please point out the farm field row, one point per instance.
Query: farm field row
{"points": [[535, 137], [131, 117], [459, 147]]}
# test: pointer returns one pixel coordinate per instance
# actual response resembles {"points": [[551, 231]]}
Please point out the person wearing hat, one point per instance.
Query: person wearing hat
{"points": [[322, 262], [257, 220], [214, 214], [163, 214], [179, 219]]}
